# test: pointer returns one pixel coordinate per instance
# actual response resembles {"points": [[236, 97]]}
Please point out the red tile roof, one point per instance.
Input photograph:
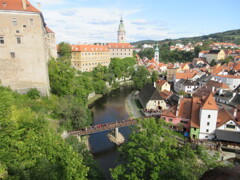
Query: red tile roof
{"points": [[165, 94], [196, 104], [210, 103], [89, 48], [161, 82], [119, 46], [48, 29], [185, 75], [223, 117], [16, 5]]}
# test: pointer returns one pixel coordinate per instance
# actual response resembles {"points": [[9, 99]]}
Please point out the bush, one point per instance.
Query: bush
{"points": [[33, 93]]}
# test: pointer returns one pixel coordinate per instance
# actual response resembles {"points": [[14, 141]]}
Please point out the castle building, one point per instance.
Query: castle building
{"points": [[24, 47], [121, 49], [86, 57]]}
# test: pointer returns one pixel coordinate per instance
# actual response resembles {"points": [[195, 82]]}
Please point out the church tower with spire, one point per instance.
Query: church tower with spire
{"points": [[121, 32]]}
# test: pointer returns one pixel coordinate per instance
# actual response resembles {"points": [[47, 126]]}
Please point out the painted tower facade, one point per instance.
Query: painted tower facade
{"points": [[156, 55], [121, 32]]}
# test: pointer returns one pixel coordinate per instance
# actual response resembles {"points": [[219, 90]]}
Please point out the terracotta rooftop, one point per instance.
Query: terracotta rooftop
{"points": [[210, 103], [223, 117], [196, 104], [119, 45], [185, 75], [161, 82], [17, 5], [48, 29], [89, 48], [165, 94]]}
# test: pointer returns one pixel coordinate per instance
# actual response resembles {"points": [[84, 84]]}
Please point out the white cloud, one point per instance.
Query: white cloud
{"points": [[86, 24]]}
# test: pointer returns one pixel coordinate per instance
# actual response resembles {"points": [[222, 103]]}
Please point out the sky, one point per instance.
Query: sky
{"points": [[89, 21]]}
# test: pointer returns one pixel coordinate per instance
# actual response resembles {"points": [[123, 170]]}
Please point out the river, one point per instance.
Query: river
{"points": [[109, 108]]}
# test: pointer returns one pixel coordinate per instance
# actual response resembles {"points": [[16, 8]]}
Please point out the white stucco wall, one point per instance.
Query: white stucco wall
{"points": [[204, 120], [231, 122]]}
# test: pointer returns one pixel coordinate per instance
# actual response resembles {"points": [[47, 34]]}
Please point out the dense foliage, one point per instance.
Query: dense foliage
{"points": [[152, 152], [29, 148], [141, 77], [169, 56]]}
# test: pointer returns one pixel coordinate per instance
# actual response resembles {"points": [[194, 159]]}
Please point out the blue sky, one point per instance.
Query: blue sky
{"points": [[79, 21]]}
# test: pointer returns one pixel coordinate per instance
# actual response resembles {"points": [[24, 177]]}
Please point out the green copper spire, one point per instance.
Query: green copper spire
{"points": [[121, 25]]}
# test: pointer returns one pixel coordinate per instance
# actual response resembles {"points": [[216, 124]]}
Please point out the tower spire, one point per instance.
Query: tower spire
{"points": [[121, 32]]}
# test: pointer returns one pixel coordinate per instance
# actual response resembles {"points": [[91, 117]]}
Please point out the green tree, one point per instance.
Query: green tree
{"points": [[61, 76], [73, 113], [64, 51], [213, 62], [94, 172], [31, 151], [154, 76], [149, 53], [197, 49], [140, 77], [33, 93], [152, 152], [100, 87]]}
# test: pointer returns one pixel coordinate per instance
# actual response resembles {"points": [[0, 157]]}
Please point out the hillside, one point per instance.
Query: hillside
{"points": [[227, 36]]}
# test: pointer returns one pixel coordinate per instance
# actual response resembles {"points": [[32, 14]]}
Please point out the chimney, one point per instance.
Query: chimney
{"points": [[220, 91], [39, 6], [235, 112], [24, 4], [213, 89], [178, 106]]}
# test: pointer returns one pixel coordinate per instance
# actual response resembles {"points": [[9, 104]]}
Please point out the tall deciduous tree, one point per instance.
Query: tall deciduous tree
{"points": [[140, 77], [30, 150], [152, 152]]}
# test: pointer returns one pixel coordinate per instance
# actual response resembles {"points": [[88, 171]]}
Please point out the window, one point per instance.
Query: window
{"points": [[24, 25], [195, 129], [17, 31], [31, 21], [206, 136], [14, 21], [208, 123], [19, 41], [170, 120], [1, 40], [12, 54], [230, 126], [209, 116], [207, 130]]}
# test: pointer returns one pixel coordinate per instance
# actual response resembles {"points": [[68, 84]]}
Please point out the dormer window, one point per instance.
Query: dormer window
{"points": [[4, 4]]}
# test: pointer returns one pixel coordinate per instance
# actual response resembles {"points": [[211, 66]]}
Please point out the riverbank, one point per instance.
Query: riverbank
{"points": [[131, 106], [98, 96]]}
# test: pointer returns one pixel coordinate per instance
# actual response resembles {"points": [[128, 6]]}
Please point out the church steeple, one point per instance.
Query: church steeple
{"points": [[156, 55], [121, 32]]}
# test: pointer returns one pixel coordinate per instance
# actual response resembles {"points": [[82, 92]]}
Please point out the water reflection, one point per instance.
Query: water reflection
{"points": [[110, 108]]}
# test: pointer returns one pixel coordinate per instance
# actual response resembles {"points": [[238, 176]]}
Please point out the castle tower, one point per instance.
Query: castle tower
{"points": [[121, 32], [156, 55]]}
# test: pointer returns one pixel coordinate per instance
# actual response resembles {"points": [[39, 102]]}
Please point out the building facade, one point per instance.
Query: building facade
{"points": [[24, 47], [215, 55], [87, 57], [120, 50]]}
